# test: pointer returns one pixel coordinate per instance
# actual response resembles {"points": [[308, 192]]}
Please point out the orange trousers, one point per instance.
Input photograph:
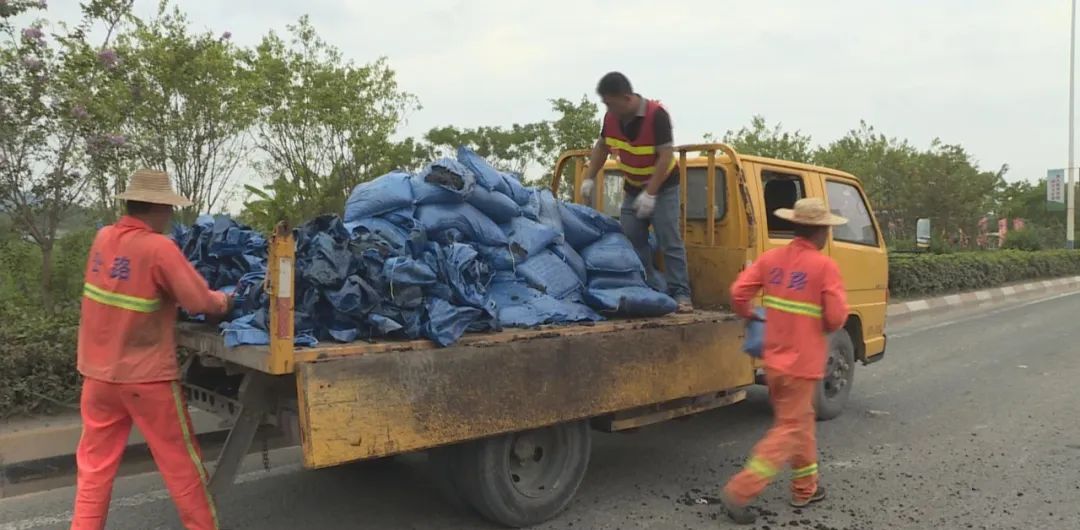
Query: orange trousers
{"points": [[790, 441], [160, 413]]}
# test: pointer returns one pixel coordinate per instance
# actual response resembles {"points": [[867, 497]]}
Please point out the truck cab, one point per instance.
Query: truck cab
{"points": [[728, 200]]}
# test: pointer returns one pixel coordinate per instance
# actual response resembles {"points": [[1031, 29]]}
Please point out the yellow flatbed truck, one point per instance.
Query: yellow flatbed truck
{"points": [[506, 417]]}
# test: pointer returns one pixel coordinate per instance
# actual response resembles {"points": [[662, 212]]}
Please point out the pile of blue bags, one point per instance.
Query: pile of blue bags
{"points": [[458, 247]]}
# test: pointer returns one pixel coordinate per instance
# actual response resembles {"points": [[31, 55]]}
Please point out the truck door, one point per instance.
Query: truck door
{"points": [[859, 250], [780, 188]]}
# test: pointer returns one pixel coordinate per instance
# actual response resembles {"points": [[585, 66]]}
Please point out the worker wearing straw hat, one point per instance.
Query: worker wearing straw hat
{"points": [[804, 300], [135, 279]]}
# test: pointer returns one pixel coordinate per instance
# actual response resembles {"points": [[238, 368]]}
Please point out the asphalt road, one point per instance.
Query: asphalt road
{"points": [[966, 424]]}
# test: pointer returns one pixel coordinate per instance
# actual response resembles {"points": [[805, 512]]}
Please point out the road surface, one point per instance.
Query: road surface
{"points": [[966, 424]]}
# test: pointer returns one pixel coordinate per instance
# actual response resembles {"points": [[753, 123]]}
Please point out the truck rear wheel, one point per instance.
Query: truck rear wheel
{"points": [[525, 478], [834, 389]]}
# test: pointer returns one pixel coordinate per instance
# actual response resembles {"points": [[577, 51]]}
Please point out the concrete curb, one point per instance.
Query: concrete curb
{"points": [[903, 311], [42, 439]]}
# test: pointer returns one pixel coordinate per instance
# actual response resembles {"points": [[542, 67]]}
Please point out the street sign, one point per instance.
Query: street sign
{"points": [[1055, 186]]}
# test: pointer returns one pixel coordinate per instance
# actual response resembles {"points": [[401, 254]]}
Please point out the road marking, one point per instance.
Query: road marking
{"points": [[964, 319], [140, 499]]}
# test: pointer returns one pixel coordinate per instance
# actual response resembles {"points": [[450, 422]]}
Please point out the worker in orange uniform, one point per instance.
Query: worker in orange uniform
{"points": [[804, 301], [135, 279]]}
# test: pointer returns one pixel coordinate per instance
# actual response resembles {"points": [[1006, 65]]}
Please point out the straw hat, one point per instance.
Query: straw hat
{"points": [[811, 211], [152, 185]]}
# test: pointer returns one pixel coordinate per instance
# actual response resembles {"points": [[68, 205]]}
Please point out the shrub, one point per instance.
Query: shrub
{"points": [[933, 274], [1025, 239], [37, 361]]}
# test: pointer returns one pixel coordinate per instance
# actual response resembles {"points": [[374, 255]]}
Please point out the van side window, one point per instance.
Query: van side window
{"points": [[697, 182], [846, 201], [781, 191]]}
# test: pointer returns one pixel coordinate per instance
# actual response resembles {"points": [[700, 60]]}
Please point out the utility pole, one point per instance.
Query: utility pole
{"points": [[1070, 209]]}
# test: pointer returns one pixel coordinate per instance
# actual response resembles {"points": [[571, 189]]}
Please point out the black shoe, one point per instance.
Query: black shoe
{"points": [[741, 514], [818, 495]]}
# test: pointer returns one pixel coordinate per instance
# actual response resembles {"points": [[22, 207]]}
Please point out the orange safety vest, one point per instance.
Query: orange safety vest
{"points": [[636, 157]]}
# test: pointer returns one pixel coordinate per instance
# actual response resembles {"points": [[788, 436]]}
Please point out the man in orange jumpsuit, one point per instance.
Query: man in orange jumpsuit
{"points": [[135, 279], [804, 301]]}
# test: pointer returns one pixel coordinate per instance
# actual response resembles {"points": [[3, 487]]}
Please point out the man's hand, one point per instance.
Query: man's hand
{"points": [[230, 304], [644, 205], [587, 189]]}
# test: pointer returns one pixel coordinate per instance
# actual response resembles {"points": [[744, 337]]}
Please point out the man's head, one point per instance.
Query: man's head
{"points": [[150, 198], [812, 220], [158, 216], [618, 94]]}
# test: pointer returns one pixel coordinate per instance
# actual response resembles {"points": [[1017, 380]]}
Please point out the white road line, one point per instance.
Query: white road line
{"points": [[140, 499], [960, 320]]}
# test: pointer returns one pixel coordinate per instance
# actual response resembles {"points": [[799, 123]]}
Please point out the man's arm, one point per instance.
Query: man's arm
{"points": [[174, 274], [665, 151], [834, 307], [745, 288], [596, 160]]}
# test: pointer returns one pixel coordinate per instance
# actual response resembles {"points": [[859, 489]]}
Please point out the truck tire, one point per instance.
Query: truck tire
{"points": [[833, 390], [525, 478]]}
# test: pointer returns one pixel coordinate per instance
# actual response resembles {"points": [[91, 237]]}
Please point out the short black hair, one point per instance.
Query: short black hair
{"points": [[808, 231], [138, 207], [614, 84]]}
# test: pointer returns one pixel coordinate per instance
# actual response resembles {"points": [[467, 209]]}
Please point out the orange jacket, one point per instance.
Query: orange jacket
{"points": [[135, 278], [804, 300]]}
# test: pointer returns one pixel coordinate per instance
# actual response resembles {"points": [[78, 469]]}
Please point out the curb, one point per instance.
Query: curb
{"points": [[903, 311], [59, 437]]}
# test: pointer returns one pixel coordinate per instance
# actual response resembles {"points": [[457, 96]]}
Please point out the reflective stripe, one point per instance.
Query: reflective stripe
{"points": [[632, 149], [123, 301], [793, 307], [804, 472], [646, 171], [761, 468], [182, 416]]}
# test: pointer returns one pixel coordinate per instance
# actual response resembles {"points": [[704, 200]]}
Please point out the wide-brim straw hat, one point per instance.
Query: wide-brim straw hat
{"points": [[812, 212], [153, 186]]}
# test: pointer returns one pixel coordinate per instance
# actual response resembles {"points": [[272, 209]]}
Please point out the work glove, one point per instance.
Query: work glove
{"points": [[644, 205], [587, 189]]}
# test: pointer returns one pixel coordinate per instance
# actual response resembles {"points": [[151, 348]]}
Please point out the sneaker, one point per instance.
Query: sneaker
{"points": [[739, 513], [818, 495]]}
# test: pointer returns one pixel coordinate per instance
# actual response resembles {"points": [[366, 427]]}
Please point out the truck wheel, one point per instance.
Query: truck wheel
{"points": [[525, 478], [833, 391]]}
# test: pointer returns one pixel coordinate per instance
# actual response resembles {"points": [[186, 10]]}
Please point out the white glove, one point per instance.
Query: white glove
{"points": [[587, 189], [644, 205]]}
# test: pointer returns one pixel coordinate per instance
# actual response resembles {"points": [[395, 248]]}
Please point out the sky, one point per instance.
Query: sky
{"points": [[991, 75]]}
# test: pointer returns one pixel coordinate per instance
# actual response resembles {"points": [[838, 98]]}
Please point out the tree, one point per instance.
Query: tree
{"points": [[188, 105], [43, 152], [324, 125], [758, 139]]}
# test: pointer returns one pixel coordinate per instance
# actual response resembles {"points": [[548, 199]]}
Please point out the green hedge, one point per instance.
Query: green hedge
{"points": [[37, 361], [936, 274]]}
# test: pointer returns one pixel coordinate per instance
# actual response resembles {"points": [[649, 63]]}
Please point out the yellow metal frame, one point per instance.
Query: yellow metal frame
{"points": [[280, 286]]}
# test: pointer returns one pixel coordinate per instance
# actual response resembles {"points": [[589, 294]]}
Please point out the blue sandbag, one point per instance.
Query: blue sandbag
{"points": [[384, 194], [400, 270], [549, 209], [578, 214], [577, 230], [466, 276], [549, 274], [355, 298], [630, 301], [486, 175], [616, 280], [530, 235], [396, 237], [522, 306], [515, 190], [443, 181], [503, 257], [563, 249], [531, 209], [495, 205], [382, 324], [612, 253], [445, 322], [754, 342], [438, 218], [326, 262]]}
